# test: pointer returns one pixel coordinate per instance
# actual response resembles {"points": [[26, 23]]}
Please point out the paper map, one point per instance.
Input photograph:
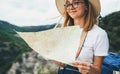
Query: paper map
{"points": [[58, 44]]}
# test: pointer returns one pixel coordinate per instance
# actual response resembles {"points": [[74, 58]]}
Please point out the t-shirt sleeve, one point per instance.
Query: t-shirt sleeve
{"points": [[101, 45]]}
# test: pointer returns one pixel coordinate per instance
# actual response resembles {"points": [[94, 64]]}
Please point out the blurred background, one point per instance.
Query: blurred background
{"points": [[38, 15]]}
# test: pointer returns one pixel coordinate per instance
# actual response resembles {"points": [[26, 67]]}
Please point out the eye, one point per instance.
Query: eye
{"points": [[67, 5]]}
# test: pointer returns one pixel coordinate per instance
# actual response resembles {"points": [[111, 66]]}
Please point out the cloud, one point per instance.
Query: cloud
{"points": [[27, 12], [109, 6], [40, 12]]}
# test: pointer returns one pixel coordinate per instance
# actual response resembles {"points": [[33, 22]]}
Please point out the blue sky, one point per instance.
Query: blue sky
{"points": [[41, 12]]}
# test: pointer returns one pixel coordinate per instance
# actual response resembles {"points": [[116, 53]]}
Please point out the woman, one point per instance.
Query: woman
{"points": [[84, 13]]}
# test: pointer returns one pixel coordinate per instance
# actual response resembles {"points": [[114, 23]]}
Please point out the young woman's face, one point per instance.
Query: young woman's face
{"points": [[75, 8]]}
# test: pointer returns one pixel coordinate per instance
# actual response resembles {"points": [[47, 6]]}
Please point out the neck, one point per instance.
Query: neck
{"points": [[79, 22]]}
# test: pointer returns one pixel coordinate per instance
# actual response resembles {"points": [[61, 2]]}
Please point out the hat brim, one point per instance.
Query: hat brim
{"points": [[95, 3]]}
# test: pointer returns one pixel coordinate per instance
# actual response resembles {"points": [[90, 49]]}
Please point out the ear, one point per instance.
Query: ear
{"points": [[86, 7]]}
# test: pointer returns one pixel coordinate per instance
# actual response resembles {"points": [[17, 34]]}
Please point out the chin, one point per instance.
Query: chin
{"points": [[73, 17]]}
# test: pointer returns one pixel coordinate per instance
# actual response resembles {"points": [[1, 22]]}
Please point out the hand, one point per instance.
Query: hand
{"points": [[83, 67], [57, 63]]}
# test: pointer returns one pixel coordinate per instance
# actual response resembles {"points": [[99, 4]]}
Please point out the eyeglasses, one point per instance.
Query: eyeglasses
{"points": [[73, 4]]}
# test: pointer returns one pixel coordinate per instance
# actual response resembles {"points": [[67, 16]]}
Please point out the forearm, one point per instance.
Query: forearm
{"points": [[95, 70]]}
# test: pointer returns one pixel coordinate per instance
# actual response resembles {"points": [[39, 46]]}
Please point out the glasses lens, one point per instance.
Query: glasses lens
{"points": [[75, 4], [67, 5]]}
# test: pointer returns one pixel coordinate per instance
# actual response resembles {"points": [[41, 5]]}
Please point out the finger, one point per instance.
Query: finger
{"points": [[88, 65], [80, 65], [75, 64], [83, 71], [83, 66], [83, 63]]}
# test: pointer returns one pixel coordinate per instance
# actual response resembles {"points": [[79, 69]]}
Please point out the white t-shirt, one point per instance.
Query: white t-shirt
{"points": [[96, 44]]}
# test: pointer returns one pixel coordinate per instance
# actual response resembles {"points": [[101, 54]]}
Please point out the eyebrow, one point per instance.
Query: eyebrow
{"points": [[67, 2], [79, 0], [76, 0]]}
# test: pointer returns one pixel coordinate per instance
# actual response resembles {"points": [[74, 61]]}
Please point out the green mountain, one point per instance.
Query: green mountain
{"points": [[111, 23], [12, 46]]}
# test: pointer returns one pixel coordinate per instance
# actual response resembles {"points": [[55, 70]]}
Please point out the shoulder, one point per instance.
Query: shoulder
{"points": [[97, 34], [96, 30], [101, 42]]}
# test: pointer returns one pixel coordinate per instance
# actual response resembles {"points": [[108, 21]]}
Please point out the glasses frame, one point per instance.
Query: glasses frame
{"points": [[73, 4]]}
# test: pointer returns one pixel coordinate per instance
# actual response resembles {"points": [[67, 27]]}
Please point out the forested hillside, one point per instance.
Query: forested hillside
{"points": [[111, 23], [12, 46]]}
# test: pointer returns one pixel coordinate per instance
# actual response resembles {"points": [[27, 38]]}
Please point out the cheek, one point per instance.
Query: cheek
{"points": [[67, 11], [81, 11]]}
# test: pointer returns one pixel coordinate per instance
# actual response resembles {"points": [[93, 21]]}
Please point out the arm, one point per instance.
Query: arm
{"points": [[87, 68], [96, 67]]}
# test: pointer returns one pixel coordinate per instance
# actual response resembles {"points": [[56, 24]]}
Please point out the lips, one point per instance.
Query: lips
{"points": [[71, 12]]}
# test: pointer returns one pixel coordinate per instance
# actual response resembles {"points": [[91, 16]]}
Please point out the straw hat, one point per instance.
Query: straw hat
{"points": [[95, 4]]}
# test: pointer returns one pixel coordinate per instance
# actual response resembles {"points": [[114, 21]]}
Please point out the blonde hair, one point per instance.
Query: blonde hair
{"points": [[90, 18]]}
